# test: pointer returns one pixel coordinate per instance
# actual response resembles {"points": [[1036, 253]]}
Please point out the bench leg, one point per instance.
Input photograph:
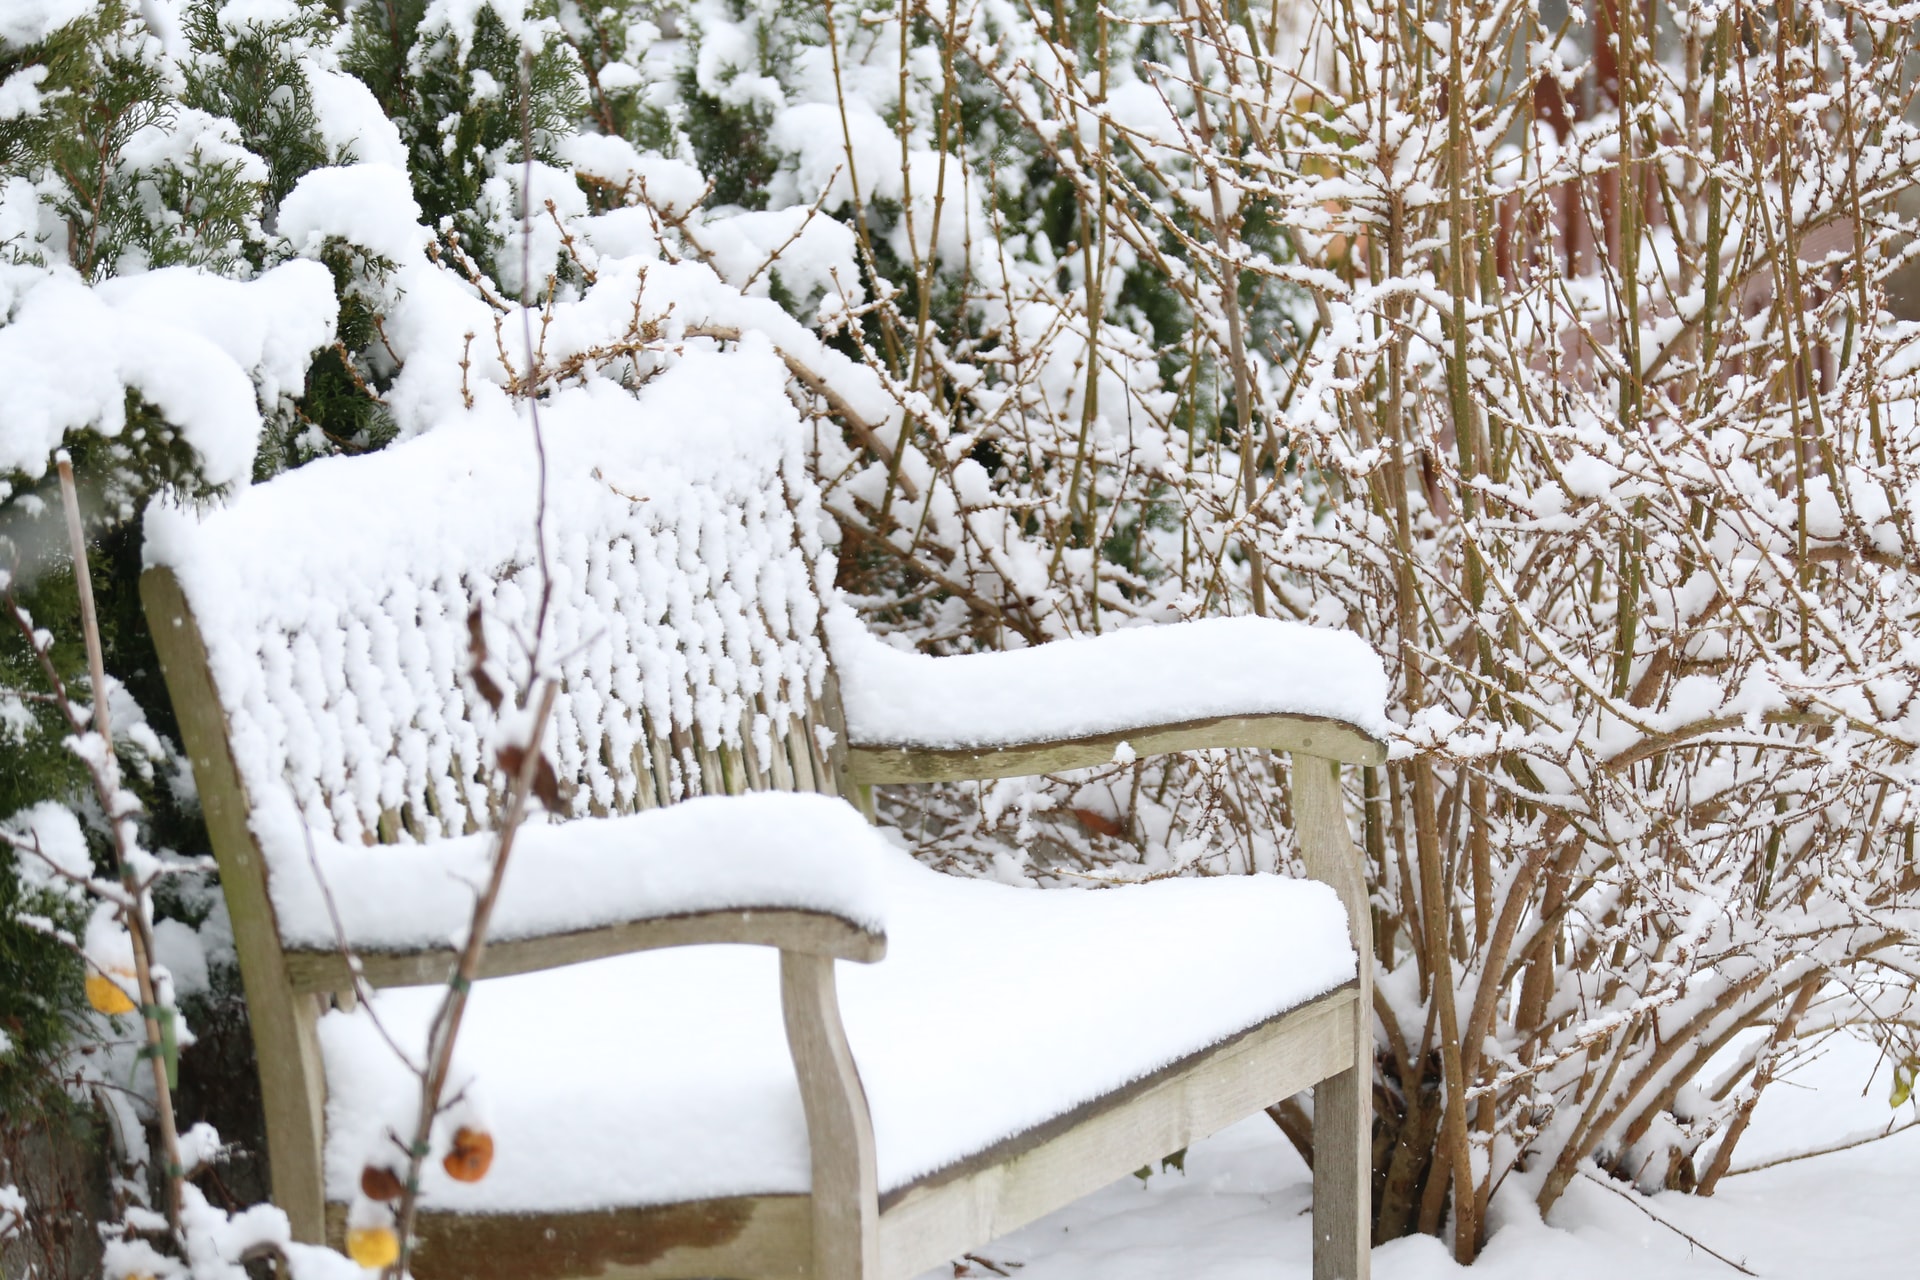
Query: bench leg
{"points": [[846, 1200], [1342, 1104], [1343, 1175]]}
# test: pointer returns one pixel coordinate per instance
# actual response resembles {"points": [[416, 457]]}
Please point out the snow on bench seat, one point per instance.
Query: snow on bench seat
{"points": [[665, 1076], [766, 851], [1123, 680]]}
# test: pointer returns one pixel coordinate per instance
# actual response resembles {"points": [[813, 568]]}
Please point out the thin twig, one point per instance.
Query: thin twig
{"points": [[1634, 1200], [103, 767], [1847, 1145]]}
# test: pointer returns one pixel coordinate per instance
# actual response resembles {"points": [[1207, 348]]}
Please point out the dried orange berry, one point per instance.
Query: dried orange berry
{"points": [[378, 1183], [471, 1157], [106, 995], [373, 1247]]}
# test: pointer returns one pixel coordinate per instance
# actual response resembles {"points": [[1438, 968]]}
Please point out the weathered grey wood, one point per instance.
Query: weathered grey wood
{"points": [[1343, 1103], [869, 762], [284, 1022], [714, 780], [740, 1237], [644, 795], [779, 767], [829, 714], [659, 754], [810, 933], [845, 1191], [800, 755], [955, 1210]]}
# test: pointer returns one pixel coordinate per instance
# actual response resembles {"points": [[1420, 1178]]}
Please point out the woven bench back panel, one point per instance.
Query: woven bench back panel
{"points": [[682, 620]]}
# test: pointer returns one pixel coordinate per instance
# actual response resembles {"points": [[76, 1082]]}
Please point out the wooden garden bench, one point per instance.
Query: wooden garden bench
{"points": [[659, 1111]]}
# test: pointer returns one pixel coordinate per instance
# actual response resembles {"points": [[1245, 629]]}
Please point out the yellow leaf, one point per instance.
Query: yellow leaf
{"points": [[373, 1247], [106, 995], [1902, 1082]]}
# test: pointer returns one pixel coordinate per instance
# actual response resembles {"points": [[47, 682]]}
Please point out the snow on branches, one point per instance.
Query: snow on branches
{"points": [[1555, 360]]}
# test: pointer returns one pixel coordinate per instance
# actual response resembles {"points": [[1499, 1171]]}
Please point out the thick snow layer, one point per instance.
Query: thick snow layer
{"points": [[270, 326], [350, 120], [683, 540], [1121, 680], [765, 851], [62, 859], [202, 350], [24, 22], [812, 133], [370, 205], [665, 1075], [672, 187]]}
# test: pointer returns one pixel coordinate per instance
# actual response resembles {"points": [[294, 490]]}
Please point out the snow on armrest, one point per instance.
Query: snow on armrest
{"points": [[1139, 678], [760, 852]]}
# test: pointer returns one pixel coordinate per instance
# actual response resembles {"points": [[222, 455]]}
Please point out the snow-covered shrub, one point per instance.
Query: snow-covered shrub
{"points": [[463, 82], [1614, 441]]}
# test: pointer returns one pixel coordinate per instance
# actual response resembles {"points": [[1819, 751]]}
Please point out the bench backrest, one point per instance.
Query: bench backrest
{"points": [[335, 603]]}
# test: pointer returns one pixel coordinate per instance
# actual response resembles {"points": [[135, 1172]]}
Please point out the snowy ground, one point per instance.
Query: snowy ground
{"points": [[1239, 1211]]}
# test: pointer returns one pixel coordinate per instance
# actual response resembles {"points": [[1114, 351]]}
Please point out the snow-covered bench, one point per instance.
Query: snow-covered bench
{"points": [[662, 1108]]}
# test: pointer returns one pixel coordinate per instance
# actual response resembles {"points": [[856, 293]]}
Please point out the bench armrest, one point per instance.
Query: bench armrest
{"points": [[794, 871], [1219, 682], [811, 933]]}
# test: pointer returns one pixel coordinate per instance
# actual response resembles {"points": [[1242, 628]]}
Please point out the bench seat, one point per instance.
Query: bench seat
{"points": [[665, 1076]]}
